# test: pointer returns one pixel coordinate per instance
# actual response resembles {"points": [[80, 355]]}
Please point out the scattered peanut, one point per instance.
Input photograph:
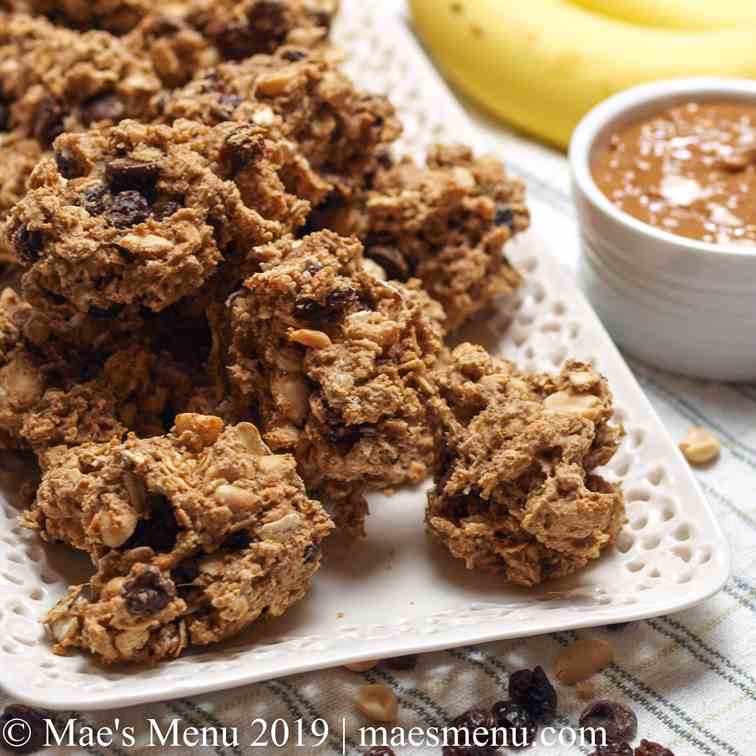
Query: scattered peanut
{"points": [[583, 659], [378, 703], [362, 666], [700, 446]]}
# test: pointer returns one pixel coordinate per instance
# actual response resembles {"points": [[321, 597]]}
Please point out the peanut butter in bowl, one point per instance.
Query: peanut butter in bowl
{"points": [[690, 171]]}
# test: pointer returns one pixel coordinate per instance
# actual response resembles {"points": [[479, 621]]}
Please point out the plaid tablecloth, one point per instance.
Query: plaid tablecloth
{"points": [[690, 677]]}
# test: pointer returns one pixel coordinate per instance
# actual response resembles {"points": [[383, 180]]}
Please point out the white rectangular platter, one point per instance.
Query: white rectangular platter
{"points": [[397, 592]]}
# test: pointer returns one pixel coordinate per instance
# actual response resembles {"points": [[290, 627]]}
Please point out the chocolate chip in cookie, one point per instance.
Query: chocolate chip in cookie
{"points": [[125, 174], [106, 106]]}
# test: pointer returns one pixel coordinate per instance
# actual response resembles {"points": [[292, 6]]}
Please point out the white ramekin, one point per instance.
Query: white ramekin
{"points": [[680, 304]]}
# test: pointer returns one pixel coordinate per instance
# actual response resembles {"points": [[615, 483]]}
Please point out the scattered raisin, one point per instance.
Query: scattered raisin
{"points": [[28, 244], [103, 107], [521, 728], [617, 720], [148, 592], [31, 726], [471, 741], [159, 531], [48, 121], [5, 119], [648, 748], [403, 663], [532, 690], [613, 749], [124, 174]]}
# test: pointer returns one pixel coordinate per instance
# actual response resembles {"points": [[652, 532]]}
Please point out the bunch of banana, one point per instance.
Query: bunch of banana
{"points": [[543, 64]]}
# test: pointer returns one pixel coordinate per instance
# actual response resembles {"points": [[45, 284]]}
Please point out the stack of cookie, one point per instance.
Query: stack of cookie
{"points": [[231, 316]]}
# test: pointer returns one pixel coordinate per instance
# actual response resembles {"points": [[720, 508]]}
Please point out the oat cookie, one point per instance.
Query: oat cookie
{"points": [[71, 388], [515, 488], [342, 131], [337, 364], [139, 216], [18, 156], [116, 16], [445, 224], [176, 49], [194, 535], [241, 28], [56, 79]]}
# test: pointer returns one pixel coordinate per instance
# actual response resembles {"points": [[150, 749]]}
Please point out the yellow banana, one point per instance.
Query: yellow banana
{"points": [[676, 14], [543, 64]]}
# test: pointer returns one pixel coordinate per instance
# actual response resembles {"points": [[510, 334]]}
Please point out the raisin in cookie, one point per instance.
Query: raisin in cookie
{"points": [[515, 489], [343, 132], [194, 536], [445, 224], [337, 363], [139, 216]]}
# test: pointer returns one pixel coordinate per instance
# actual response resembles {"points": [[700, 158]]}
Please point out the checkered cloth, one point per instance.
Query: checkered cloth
{"points": [[690, 677]]}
